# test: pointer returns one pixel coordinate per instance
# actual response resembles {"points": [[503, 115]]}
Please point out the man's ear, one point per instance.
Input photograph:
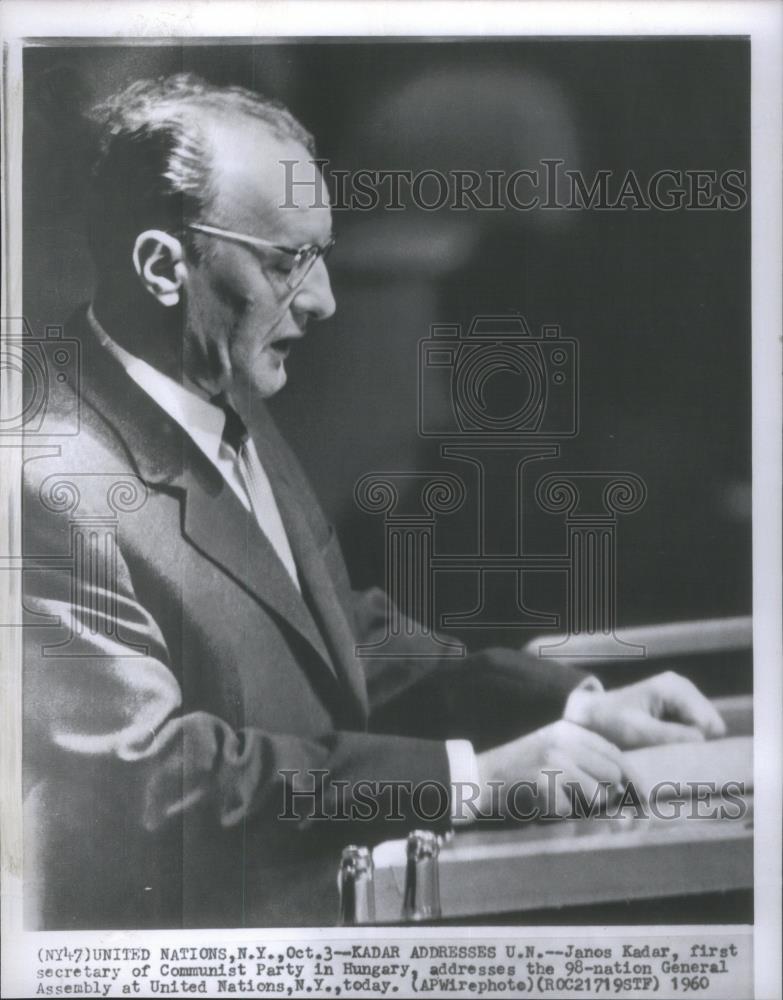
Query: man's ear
{"points": [[159, 261]]}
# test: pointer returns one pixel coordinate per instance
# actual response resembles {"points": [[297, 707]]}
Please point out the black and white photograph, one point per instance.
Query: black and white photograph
{"points": [[391, 448]]}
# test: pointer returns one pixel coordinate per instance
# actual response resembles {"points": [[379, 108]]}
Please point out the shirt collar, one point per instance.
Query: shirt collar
{"points": [[185, 402]]}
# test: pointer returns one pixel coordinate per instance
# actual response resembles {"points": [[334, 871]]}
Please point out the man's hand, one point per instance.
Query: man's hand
{"points": [[573, 753], [666, 708]]}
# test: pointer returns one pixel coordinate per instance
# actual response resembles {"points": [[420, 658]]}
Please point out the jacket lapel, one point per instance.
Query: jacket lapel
{"points": [[320, 588], [214, 520], [240, 548]]}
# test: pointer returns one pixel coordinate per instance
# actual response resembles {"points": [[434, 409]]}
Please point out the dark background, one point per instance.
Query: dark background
{"points": [[659, 302]]}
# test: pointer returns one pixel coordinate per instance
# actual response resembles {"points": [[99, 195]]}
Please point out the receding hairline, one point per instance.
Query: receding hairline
{"points": [[174, 99], [218, 132], [162, 139]]}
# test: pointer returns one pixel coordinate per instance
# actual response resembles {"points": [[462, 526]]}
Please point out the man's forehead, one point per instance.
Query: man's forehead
{"points": [[253, 171]]}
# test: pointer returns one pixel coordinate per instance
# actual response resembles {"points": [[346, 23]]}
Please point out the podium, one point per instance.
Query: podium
{"points": [[573, 862], [495, 872]]}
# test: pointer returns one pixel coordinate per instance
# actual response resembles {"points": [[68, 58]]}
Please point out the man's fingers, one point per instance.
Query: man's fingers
{"points": [[645, 730], [583, 790], [600, 767], [620, 773], [573, 792], [683, 700], [587, 739]]}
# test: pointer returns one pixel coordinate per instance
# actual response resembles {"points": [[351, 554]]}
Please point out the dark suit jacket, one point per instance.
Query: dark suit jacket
{"points": [[172, 672]]}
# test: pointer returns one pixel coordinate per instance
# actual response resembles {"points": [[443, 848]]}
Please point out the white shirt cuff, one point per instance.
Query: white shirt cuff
{"points": [[464, 772]]}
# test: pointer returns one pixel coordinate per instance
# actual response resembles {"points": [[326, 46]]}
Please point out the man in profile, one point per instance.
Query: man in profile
{"points": [[193, 650]]}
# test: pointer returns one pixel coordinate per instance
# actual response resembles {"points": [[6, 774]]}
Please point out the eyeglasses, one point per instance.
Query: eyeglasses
{"points": [[303, 258]]}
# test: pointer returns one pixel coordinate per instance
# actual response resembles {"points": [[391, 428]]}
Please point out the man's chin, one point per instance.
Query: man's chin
{"points": [[270, 381], [260, 380]]}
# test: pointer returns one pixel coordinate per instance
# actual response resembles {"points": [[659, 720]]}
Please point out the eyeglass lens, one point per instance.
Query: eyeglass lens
{"points": [[303, 263]]}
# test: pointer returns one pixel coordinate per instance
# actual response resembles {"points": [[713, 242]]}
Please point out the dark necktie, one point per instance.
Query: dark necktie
{"points": [[235, 432], [257, 485]]}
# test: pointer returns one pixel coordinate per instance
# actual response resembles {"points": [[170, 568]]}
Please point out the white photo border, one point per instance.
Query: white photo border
{"points": [[163, 22]]}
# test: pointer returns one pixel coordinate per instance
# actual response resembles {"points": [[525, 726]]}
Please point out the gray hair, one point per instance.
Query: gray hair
{"points": [[154, 163]]}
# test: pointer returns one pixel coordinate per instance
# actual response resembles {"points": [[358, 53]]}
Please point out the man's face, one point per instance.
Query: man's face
{"points": [[241, 318]]}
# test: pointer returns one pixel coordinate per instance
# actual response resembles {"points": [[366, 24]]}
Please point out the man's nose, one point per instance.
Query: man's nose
{"points": [[314, 296]]}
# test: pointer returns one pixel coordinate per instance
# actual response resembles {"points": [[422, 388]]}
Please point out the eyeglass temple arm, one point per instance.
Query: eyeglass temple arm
{"points": [[253, 241]]}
